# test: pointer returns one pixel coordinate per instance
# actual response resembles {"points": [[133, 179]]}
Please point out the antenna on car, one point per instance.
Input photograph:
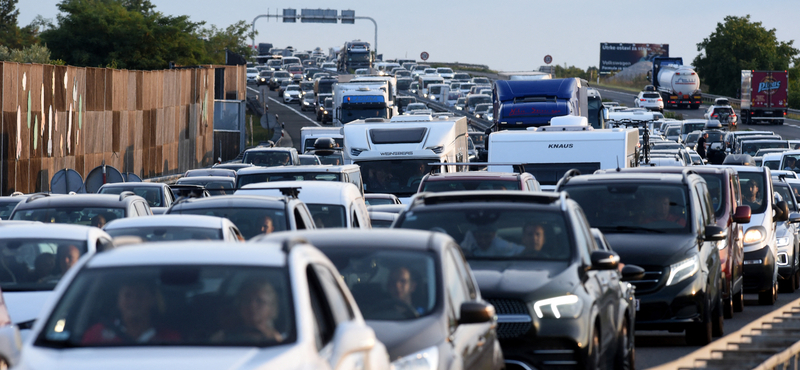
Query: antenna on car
{"points": [[618, 164]]}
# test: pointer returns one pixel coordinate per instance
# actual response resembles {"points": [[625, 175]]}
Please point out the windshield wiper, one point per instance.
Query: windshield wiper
{"points": [[630, 228]]}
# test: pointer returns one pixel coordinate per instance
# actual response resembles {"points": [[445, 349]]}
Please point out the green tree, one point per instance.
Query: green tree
{"points": [[233, 38], [11, 35], [794, 85], [127, 34], [737, 44]]}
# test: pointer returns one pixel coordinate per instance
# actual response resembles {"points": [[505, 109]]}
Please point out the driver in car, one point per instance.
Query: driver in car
{"points": [[401, 286], [660, 211]]}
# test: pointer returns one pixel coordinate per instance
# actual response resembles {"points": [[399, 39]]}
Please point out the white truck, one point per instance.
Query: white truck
{"points": [[357, 101], [387, 82], [568, 143], [395, 155], [678, 84]]}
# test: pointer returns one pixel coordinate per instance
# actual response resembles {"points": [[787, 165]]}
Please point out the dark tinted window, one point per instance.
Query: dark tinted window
{"points": [[287, 176], [716, 193], [398, 135], [459, 185], [37, 263], [327, 216], [171, 233], [149, 193], [69, 215], [250, 221], [268, 158]]}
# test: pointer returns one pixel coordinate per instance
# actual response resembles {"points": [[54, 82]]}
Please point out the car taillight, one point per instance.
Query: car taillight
{"points": [[659, 99], [642, 99], [714, 115]]}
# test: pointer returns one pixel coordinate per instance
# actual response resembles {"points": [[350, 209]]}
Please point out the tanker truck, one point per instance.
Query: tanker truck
{"points": [[679, 85]]}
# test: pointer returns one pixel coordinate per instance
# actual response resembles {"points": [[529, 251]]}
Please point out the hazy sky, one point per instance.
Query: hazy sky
{"points": [[505, 35]]}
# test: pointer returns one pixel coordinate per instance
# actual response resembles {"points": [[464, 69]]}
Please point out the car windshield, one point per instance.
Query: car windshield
{"points": [[7, 205], [37, 263], [389, 284], [281, 74], [752, 147], [250, 221], [630, 207], [481, 80], [69, 215], [673, 131], [167, 233], [379, 201], [689, 127], [444, 70], [461, 185], [483, 107], [752, 184], [293, 88], [479, 139], [506, 232], [151, 194], [474, 100], [252, 70], [186, 305], [398, 177], [267, 158], [327, 215], [214, 186]]}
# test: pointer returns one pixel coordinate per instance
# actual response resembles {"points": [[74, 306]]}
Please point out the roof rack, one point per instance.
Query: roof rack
{"points": [[686, 174], [126, 194], [292, 242], [567, 175], [517, 167], [37, 196], [489, 197]]}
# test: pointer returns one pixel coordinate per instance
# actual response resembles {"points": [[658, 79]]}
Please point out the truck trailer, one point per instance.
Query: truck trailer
{"points": [[520, 104], [678, 84], [765, 96]]}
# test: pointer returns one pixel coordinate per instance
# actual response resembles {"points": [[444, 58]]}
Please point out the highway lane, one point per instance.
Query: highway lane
{"points": [[790, 130]]}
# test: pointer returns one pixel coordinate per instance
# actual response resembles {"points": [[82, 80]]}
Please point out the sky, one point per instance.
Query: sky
{"points": [[506, 35]]}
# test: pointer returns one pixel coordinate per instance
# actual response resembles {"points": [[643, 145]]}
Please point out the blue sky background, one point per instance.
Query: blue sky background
{"points": [[506, 35]]}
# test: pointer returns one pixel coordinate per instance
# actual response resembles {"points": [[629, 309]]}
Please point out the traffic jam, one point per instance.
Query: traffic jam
{"points": [[429, 218]]}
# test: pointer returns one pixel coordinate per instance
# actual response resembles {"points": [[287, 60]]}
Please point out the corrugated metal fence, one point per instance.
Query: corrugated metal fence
{"points": [[151, 123]]}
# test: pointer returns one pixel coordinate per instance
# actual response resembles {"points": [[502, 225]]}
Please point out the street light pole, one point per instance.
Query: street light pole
{"points": [[376, 32]]}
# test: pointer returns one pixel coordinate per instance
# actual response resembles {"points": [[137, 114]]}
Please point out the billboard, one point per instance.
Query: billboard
{"points": [[616, 56]]}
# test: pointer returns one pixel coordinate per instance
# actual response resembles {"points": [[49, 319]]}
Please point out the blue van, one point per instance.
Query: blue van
{"points": [[522, 104]]}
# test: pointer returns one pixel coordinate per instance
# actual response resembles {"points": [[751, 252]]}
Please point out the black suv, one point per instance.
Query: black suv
{"points": [[558, 295], [81, 209], [249, 212], [664, 223]]}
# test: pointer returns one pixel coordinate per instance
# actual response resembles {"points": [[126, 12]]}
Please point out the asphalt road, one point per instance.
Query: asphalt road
{"points": [[652, 347], [790, 130]]}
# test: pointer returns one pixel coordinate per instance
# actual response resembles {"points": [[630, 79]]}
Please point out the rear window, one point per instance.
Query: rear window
{"points": [[250, 221], [398, 136], [461, 185], [651, 96]]}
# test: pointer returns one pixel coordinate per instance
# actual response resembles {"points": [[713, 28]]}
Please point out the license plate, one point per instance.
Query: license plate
{"points": [[636, 304], [767, 112]]}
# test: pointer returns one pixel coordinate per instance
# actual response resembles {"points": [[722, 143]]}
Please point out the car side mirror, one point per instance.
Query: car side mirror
{"points": [[632, 272], [604, 260], [473, 312], [742, 214], [605, 113], [794, 217], [781, 211], [715, 233], [351, 338]]}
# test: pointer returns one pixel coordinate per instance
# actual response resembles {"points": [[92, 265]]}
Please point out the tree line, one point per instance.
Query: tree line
{"points": [[126, 34]]}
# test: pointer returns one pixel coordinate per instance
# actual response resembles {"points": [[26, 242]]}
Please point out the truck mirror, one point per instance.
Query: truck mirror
{"points": [[605, 113]]}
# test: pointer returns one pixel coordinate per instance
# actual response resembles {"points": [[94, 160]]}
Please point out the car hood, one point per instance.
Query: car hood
{"points": [[519, 279], [658, 250], [25, 306], [405, 337], [172, 358]]}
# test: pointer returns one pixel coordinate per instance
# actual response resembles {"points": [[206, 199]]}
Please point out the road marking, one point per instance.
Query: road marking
{"points": [[293, 110]]}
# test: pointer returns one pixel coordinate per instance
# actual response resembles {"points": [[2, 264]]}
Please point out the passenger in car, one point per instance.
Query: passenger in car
{"points": [[257, 308], [267, 226], [401, 286], [136, 303], [750, 194], [659, 211], [484, 242], [98, 221], [534, 239]]}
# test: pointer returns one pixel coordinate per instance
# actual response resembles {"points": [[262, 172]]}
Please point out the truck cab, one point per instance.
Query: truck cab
{"points": [[522, 104], [357, 101]]}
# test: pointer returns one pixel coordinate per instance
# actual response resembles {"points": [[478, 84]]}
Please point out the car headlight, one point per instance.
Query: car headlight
{"points": [[567, 306], [755, 234], [683, 270], [784, 241], [427, 359]]}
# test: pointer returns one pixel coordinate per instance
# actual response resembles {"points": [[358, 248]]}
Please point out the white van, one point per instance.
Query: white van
{"points": [[425, 81], [569, 142], [438, 92], [308, 135], [332, 204]]}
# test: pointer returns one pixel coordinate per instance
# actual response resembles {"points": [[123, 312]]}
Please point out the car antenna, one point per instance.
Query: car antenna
{"points": [[618, 169]]}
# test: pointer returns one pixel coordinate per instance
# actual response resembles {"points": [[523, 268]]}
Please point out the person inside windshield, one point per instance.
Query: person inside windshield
{"points": [[134, 321], [380, 179], [659, 211], [267, 227], [401, 287], [67, 256], [484, 242], [791, 164], [534, 239], [99, 221], [281, 159], [417, 172], [257, 309], [750, 196]]}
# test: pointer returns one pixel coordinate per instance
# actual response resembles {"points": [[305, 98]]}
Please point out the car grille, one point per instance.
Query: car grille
{"points": [[513, 317], [651, 280]]}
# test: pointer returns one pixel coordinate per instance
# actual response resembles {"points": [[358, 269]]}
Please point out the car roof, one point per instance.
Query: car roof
{"points": [[87, 200], [476, 175], [191, 252], [173, 220], [324, 192], [133, 184], [358, 238], [45, 230], [616, 176], [306, 168], [207, 178]]}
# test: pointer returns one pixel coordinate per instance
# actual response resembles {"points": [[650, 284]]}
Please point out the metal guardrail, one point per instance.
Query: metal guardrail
{"points": [[771, 342]]}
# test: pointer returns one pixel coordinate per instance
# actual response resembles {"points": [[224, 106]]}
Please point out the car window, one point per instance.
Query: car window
{"points": [[250, 221], [340, 307], [182, 305], [463, 270], [171, 233], [37, 263], [69, 215], [456, 292], [753, 191]]}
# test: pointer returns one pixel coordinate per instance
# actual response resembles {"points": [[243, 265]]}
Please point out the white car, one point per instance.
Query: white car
{"points": [[650, 100], [331, 67], [204, 305], [292, 94], [167, 228], [252, 73], [362, 72], [445, 73], [37, 256]]}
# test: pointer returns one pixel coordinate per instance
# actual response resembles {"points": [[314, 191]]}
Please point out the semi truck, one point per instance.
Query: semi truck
{"points": [[358, 101], [354, 55], [520, 104], [765, 96], [678, 84]]}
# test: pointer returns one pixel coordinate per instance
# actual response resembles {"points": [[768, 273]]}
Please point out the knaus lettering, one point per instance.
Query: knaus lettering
{"points": [[559, 146]]}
